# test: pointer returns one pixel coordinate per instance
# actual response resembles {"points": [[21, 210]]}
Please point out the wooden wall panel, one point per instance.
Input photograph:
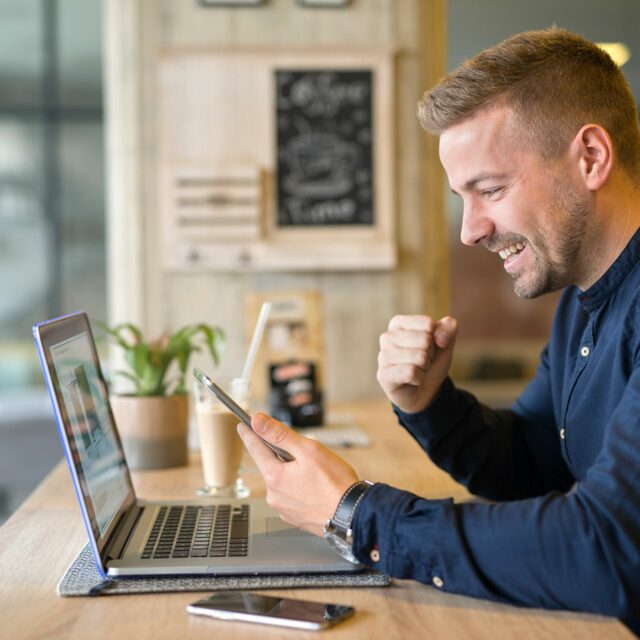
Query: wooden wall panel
{"points": [[357, 305]]}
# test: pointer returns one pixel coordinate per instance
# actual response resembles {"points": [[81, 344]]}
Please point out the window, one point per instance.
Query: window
{"points": [[52, 245]]}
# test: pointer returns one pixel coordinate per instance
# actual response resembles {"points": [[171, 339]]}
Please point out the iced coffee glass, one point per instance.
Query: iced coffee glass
{"points": [[220, 445]]}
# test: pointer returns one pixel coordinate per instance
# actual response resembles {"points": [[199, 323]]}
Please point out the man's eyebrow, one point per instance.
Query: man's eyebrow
{"points": [[483, 175]]}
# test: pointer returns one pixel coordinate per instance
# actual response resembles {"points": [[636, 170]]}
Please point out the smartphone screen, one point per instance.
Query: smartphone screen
{"points": [[286, 612]]}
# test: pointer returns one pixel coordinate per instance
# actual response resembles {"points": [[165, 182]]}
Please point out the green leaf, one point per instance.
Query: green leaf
{"points": [[119, 333], [138, 358], [214, 339]]}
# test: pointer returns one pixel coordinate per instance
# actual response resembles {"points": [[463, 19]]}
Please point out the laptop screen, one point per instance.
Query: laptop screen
{"points": [[92, 443]]}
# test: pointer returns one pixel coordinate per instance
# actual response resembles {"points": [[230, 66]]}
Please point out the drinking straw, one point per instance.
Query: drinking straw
{"points": [[255, 340]]}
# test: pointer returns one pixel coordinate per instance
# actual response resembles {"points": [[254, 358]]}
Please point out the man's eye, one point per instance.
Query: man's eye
{"points": [[491, 192]]}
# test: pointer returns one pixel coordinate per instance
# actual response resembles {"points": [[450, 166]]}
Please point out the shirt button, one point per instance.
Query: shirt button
{"points": [[375, 555], [562, 434], [584, 352], [437, 582]]}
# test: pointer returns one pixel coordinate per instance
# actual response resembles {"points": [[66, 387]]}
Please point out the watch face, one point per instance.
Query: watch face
{"points": [[342, 547]]}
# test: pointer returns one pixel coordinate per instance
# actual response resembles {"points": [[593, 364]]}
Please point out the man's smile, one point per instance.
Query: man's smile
{"points": [[511, 255], [510, 250]]}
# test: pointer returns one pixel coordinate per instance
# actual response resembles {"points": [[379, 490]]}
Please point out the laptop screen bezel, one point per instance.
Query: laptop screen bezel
{"points": [[46, 335]]}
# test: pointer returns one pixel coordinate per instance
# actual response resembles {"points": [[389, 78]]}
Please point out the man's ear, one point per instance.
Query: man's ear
{"points": [[593, 149]]}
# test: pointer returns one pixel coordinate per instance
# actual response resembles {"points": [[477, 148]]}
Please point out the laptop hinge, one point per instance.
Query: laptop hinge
{"points": [[123, 532]]}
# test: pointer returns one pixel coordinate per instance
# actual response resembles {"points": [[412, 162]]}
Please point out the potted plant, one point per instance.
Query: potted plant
{"points": [[153, 419]]}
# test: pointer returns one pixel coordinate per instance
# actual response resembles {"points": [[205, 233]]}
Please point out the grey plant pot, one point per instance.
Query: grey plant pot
{"points": [[153, 430]]}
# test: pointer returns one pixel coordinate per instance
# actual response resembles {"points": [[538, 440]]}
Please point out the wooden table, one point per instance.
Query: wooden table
{"points": [[42, 538]]}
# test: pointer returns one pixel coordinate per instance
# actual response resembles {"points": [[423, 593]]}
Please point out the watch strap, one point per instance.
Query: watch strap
{"points": [[348, 504]]}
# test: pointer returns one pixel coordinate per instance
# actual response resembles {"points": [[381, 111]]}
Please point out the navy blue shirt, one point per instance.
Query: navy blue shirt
{"points": [[561, 467]]}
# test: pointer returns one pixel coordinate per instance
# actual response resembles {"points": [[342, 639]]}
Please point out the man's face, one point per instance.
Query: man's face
{"points": [[516, 204]]}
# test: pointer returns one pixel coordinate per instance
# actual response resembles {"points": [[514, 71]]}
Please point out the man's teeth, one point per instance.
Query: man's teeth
{"points": [[508, 251]]}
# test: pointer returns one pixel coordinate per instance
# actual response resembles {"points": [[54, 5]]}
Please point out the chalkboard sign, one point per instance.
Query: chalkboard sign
{"points": [[325, 147]]}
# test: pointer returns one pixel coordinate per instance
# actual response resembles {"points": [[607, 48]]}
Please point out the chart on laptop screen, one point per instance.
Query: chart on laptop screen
{"points": [[95, 448]]}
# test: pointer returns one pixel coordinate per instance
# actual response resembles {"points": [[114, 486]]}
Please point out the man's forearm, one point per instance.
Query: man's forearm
{"points": [[490, 452]]}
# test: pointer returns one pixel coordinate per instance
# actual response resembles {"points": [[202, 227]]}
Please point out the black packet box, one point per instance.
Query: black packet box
{"points": [[293, 396]]}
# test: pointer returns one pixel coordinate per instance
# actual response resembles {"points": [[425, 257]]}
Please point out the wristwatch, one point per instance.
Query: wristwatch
{"points": [[337, 529]]}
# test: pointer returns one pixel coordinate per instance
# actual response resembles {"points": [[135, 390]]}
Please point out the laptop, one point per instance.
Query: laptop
{"points": [[134, 537]]}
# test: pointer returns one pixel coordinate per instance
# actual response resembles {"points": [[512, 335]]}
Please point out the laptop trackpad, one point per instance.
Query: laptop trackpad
{"points": [[277, 528]]}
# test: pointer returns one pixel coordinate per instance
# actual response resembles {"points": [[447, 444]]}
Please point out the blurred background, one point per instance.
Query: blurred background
{"points": [[64, 64], [52, 211]]}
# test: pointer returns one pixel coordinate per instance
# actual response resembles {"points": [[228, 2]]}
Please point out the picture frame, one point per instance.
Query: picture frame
{"points": [[294, 331]]}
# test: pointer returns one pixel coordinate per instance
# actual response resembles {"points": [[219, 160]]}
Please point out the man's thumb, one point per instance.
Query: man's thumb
{"points": [[273, 431], [446, 332]]}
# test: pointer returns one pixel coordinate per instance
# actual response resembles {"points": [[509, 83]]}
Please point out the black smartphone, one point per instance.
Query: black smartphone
{"points": [[285, 612], [237, 410]]}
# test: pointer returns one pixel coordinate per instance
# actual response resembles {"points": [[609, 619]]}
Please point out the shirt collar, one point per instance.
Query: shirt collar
{"points": [[603, 289]]}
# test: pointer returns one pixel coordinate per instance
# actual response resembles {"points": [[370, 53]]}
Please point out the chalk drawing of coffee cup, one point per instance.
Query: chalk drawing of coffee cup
{"points": [[321, 165]]}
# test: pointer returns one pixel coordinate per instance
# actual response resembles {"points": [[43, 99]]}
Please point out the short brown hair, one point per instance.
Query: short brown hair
{"points": [[554, 81]]}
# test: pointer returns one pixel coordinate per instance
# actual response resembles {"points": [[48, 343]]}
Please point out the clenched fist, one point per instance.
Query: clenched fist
{"points": [[414, 359]]}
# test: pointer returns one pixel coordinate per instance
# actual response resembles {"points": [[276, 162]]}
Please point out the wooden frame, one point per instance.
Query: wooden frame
{"points": [[217, 130], [294, 331]]}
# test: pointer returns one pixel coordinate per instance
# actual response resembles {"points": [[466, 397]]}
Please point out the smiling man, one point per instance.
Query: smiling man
{"points": [[539, 137], [515, 203]]}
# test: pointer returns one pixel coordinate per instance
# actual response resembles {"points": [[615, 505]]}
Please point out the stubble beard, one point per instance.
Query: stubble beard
{"points": [[556, 260]]}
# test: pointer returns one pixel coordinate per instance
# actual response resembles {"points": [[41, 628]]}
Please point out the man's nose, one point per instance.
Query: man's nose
{"points": [[476, 226]]}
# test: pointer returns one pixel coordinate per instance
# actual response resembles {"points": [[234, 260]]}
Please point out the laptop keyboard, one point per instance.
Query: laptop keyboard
{"points": [[199, 532]]}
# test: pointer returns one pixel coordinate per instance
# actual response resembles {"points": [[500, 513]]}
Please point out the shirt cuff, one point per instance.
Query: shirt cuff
{"points": [[378, 543], [447, 388], [437, 418]]}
